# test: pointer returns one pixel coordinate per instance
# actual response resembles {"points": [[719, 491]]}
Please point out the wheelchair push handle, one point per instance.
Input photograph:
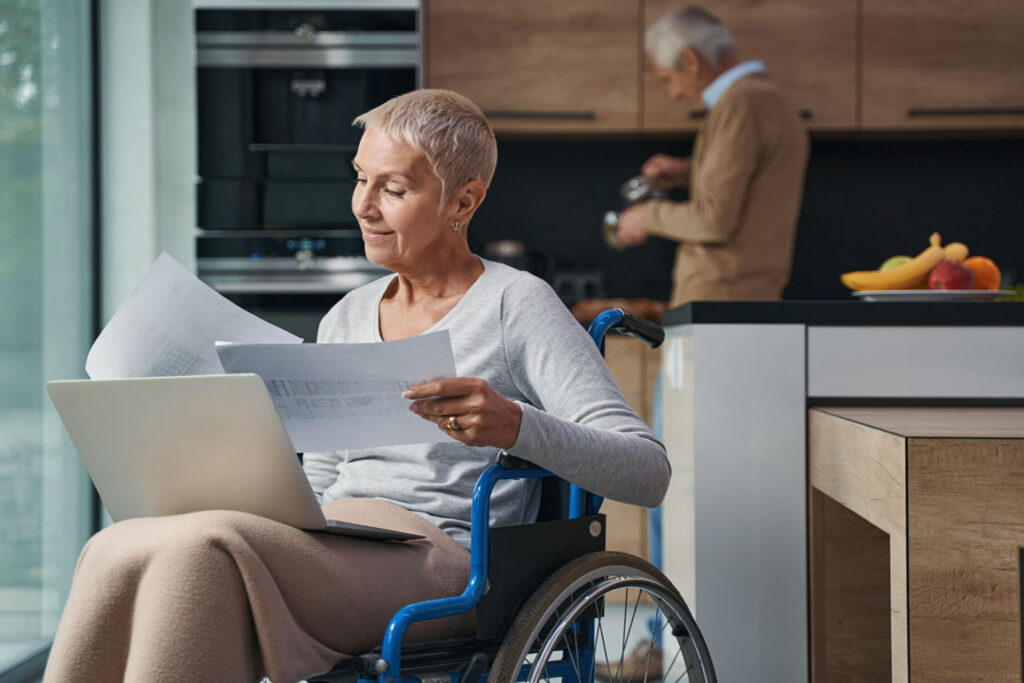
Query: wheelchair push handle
{"points": [[642, 328], [633, 325]]}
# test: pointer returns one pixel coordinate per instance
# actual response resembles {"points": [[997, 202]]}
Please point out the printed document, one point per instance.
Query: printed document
{"points": [[346, 396], [169, 325], [329, 396]]}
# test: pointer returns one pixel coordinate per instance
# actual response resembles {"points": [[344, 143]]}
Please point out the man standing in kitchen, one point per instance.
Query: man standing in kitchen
{"points": [[746, 176]]}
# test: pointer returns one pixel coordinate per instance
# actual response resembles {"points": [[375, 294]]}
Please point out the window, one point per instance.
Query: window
{"points": [[46, 308]]}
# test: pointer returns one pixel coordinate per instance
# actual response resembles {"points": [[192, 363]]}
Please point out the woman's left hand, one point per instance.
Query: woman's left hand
{"points": [[482, 416]]}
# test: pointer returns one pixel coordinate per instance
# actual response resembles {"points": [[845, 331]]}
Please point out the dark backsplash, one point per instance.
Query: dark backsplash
{"points": [[865, 200]]}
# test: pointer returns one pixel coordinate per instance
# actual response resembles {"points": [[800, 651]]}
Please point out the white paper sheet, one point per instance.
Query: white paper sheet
{"points": [[168, 326], [345, 396]]}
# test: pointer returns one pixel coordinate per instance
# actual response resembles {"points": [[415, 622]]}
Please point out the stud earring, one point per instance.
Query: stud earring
{"points": [[455, 227]]}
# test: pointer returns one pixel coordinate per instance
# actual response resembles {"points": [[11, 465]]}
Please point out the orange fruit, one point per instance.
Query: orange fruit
{"points": [[986, 273]]}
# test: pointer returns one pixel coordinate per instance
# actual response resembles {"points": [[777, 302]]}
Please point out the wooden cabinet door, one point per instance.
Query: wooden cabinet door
{"points": [[808, 46], [634, 366], [539, 65], [943, 64]]}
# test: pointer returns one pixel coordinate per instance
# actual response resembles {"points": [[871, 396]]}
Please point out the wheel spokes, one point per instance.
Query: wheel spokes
{"points": [[664, 673], [568, 655], [573, 660], [604, 645], [626, 632]]}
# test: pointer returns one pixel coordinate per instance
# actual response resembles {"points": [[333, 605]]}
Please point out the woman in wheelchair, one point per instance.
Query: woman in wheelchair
{"points": [[226, 596]]}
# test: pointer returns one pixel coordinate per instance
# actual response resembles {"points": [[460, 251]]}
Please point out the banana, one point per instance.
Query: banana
{"points": [[955, 251], [908, 276]]}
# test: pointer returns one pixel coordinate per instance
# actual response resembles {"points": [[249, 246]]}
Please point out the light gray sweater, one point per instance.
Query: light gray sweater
{"points": [[510, 329]]}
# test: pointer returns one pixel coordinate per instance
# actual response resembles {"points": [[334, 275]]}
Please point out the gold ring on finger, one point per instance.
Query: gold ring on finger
{"points": [[453, 424]]}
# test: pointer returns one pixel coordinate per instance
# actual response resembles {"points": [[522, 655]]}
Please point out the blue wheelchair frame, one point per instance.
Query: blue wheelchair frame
{"points": [[391, 651]]}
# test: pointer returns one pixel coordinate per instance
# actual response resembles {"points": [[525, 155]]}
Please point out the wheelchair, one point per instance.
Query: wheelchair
{"points": [[551, 602]]}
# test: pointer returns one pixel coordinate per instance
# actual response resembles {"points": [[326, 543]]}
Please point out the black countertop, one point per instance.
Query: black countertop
{"points": [[931, 313]]}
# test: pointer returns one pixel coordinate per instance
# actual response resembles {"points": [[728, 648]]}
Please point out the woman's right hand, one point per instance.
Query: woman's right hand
{"points": [[469, 410], [667, 171]]}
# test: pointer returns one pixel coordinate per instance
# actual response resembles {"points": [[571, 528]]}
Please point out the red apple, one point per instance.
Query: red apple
{"points": [[951, 275]]}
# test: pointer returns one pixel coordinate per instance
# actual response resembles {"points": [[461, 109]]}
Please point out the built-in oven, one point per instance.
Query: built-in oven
{"points": [[277, 89]]}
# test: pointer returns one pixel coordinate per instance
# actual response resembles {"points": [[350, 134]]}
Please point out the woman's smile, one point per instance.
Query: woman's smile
{"points": [[375, 234]]}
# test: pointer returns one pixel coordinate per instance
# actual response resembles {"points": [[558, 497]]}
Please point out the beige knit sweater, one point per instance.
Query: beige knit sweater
{"points": [[736, 232]]}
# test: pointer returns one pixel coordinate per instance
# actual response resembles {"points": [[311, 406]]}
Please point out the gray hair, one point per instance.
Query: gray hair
{"points": [[685, 27], [451, 132]]}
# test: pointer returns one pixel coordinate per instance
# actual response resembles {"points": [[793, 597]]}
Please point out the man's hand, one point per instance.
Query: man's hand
{"points": [[667, 171], [482, 416], [631, 227]]}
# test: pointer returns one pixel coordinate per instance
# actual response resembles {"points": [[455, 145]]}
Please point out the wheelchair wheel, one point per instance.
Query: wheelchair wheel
{"points": [[606, 616]]}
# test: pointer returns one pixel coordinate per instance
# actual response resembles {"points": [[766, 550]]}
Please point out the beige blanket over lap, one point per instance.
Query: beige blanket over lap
{"points": [[228, 596]]}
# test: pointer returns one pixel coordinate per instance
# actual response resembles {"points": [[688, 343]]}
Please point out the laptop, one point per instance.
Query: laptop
{"points": [[169, 445]]}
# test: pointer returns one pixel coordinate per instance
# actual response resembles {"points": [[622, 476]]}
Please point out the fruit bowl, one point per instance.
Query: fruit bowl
{"points": [[919, 295], [946, 271]]}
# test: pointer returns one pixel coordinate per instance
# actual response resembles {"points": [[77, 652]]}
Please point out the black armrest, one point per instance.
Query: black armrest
{"points": [[511, 462]]}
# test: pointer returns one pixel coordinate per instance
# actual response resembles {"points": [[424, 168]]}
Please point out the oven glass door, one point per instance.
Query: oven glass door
{"points": [[277, 91]]}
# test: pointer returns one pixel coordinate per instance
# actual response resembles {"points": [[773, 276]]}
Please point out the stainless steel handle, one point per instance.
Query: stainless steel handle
{"points": [[915, 112], [307, 38], [539, 114], [327, 49], [310, 58]]}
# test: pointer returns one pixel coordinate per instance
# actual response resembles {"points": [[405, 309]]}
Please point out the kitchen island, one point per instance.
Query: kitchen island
{"points": [[916, 528], [738, 381]]}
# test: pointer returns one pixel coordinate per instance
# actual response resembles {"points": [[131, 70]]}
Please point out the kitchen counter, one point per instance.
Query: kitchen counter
{"points": [[846, 313], [738, 379]]}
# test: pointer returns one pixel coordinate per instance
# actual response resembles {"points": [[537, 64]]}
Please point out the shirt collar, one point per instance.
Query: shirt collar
{"points": [[725, 80]]}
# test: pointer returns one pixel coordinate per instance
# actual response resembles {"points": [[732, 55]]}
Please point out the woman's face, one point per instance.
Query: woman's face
{"points": [[397, 201]]}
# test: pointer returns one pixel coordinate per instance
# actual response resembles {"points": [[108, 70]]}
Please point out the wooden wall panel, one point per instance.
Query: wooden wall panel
{"points": [[940, 55]]}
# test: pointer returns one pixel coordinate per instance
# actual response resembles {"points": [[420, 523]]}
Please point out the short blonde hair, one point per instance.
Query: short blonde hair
{"points": [[451, 132]]}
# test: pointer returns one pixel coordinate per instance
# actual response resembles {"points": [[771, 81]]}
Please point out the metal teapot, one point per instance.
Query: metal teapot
{"points": [[637, 189]]}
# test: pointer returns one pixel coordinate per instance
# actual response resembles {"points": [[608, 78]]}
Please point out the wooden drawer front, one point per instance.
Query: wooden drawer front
{"points": [[943, 64], [915, 362], [536, 65]]}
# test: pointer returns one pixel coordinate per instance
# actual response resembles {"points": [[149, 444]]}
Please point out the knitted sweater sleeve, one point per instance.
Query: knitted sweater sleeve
{"points": [[718, 192], [576, 422]]}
